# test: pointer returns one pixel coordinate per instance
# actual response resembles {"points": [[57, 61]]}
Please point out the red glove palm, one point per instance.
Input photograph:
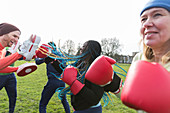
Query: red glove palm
{"points": [[69, 76]]}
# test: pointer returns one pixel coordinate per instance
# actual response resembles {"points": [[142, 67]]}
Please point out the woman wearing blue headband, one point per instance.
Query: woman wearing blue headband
{"points": [[155, 32]]}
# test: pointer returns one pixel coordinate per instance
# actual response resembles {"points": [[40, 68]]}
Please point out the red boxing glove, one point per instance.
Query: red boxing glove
{"points": [[147, 87], [69, 76], [100, 71], [43, 51]]}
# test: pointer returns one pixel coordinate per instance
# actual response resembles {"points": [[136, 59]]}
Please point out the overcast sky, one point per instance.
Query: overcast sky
{"points": [[78, 20]]}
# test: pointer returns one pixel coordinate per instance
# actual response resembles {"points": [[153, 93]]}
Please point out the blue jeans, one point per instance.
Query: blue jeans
{"points": [[91, 110], [9, 82], [47, 93]]}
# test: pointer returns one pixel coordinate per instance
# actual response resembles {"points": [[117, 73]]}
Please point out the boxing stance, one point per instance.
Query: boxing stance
{"points": [[9, 35], [88, 92]]}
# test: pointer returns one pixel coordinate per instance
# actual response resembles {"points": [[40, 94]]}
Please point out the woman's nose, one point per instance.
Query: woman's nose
{"points": [[148, 23]]}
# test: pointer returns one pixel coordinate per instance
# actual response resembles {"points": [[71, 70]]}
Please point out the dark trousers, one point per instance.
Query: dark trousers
{"points": [[9, 82], [91, 110], [47, 93]]}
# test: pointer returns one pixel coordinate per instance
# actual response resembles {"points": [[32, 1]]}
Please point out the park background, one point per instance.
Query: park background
{"points": [[29, 90], [77, 20]]}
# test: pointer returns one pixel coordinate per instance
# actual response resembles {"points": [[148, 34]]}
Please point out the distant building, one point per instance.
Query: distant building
{"points": [[125, 58]]}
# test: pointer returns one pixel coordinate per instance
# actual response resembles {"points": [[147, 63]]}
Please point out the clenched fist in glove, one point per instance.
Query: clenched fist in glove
{"points": [[100, 71], [43, 50], [147, 87], [69, 76]]}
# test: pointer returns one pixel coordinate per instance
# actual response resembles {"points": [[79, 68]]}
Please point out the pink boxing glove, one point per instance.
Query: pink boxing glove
{"points": [[100, 71], [43, 51], [69, 76], [147, 87]]}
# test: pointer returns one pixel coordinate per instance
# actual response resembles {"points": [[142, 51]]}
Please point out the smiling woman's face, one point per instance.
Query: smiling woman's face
{"points": [[12, 38], [155, 27]]}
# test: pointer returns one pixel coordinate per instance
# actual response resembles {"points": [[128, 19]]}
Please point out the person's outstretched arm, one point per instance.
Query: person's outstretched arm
{"points": [[6, 61]]}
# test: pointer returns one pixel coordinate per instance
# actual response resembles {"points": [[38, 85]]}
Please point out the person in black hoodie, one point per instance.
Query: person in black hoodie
{"points": [[86, 95]]}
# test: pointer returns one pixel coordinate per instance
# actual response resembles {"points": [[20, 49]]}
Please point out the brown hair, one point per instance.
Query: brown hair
{"points": [[148, 53], [6, 28], [166, 58]]}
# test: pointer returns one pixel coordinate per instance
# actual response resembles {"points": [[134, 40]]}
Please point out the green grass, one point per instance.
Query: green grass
{"points": [[29, 90]]}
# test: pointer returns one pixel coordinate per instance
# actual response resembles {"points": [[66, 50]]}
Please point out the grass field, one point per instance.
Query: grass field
{"points": [[29, 90]]}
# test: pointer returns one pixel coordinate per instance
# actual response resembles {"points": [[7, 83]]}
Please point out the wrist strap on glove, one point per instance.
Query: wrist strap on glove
{"points": [[76, 86]]}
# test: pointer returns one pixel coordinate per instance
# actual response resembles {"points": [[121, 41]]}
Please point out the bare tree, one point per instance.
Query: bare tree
{"points": [[110, 46], [78, 48], [69, 47]]}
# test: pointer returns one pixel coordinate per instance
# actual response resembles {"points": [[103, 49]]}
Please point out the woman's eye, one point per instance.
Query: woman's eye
{"points": [[157, 14], [143, 19]]}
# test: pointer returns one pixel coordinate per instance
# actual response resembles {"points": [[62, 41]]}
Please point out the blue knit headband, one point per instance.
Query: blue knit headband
{"points": [[157, 3]]}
